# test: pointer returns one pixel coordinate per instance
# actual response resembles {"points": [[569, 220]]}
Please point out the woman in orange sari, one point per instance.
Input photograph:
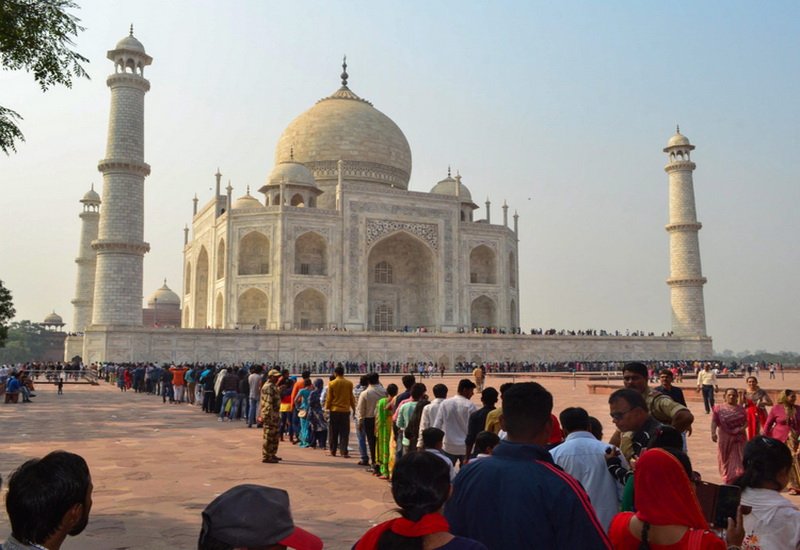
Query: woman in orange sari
{"points": [[756, 402]]}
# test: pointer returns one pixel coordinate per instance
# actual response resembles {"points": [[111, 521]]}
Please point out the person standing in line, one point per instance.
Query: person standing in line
{"points": [[707, 384], [361, 437], [366, 406], [253, 395], [477, 420], [479, 375], [270, 416], [383, 432], [493, 418], [340, 402], [406, 412], [229, 388], [452, 419], [584, 457], [429, 413], [178, 382]]}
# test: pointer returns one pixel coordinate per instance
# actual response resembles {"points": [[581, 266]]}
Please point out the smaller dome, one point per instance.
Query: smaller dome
{"points": [[91, 196], [163, 297], [247, 201], [448, 187], [678, 140], [130, 43], [291, 172], [53, 319]]}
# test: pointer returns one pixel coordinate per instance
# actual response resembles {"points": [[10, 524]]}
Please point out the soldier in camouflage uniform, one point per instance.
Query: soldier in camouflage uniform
{"points": [[270, 416]]}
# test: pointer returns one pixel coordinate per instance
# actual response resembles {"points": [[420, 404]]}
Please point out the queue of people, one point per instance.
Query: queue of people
{"points": [[508, 474]]}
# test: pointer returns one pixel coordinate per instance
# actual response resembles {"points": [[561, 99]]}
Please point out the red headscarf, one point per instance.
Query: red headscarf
{"points": [[428, 524], [663, 493]]}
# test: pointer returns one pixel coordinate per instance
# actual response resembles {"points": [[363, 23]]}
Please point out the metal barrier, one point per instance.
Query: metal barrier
{"points": [[50, 376]]}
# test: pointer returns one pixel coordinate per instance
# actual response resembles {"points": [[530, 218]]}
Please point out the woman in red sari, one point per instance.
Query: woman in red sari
{"points": [[668, 515], [728, 423], [756, 402]]}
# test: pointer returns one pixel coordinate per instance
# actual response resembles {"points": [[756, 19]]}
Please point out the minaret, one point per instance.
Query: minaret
{"points": [[87, 261], [120, 244], [685, 278]]}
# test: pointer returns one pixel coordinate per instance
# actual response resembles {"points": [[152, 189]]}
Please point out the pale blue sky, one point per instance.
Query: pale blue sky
{"points": [[560, 108]]}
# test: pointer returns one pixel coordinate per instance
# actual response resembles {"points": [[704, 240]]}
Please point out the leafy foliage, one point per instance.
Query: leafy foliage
{"points": [[26, 342], [7, 312], [36, 36]]}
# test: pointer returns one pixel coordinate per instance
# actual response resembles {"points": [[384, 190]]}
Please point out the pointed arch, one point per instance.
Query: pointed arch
{"points": [[252, 309], [483, 312], [410, 292], [482, 265], [297, 200], [221, 259], [187, 285], [512, 270], [219, 312], [201, 290], [310, 309], [254, 253], [310, 254]]}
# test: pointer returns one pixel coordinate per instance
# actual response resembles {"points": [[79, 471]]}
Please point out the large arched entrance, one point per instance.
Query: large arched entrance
{"points": [[252, 309], [483, 312], [201, 290], [402, 284], [310, 310]]}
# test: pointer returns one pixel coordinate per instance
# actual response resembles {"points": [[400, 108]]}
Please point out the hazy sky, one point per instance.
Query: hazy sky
{"points": [[560, 108]]}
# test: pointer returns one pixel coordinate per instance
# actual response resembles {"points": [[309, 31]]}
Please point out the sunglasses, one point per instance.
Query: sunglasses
{"points": [[619, 415]]}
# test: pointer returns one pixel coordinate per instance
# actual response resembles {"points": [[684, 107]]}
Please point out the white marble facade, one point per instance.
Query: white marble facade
{"points": [[337, 241]]}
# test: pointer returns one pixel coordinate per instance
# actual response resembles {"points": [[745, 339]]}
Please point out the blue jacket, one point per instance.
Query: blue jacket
{"points": [[518, 498]]}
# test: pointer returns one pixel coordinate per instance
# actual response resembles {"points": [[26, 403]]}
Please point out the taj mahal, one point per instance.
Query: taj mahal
{"points": [[333, 257]]}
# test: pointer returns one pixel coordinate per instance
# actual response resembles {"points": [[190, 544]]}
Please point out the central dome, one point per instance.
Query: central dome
{"points": [[345, 127]]}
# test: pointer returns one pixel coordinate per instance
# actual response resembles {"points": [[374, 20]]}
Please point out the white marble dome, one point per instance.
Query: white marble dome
{"points": [[91, 196], [163, 297], [678, 140], [130, 43], [448, 187], [345, 127], [291, 172], [247, 201]]}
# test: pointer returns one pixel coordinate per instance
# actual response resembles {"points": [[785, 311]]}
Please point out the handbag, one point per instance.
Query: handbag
{"points": [[302, 413]]}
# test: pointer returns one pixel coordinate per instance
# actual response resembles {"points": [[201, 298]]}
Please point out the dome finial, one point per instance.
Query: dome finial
{"points": [[291, 153], [678, 128], [131, 29], [448, 170], [344, 71], [248, 190]]}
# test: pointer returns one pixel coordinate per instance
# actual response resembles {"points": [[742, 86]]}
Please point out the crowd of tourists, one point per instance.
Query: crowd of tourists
{"points": [[507, 474]]}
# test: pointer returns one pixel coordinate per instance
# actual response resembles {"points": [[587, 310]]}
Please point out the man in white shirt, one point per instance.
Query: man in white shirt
{"points": [[707, 383], [453, 419], [430, 412], [584, 457]]}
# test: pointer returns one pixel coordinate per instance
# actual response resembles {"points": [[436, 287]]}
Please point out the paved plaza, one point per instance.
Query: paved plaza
{"points": [[155, 466]]}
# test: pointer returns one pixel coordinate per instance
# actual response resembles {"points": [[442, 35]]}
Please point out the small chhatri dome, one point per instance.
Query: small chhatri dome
{"points": [[91, 197], [163, 297], [130, 43], [292, 173], [448, 187], [678, 140], [53, 319], [346, 127], [247, 201]]}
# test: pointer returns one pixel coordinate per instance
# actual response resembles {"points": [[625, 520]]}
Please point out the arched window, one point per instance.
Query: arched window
{"points": [[482, 267], [383, 273], [254, 254], [310, 254], [297, 200], [512, 271]]}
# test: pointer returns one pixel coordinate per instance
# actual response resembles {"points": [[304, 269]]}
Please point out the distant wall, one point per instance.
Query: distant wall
{"points": [[132, 344]]}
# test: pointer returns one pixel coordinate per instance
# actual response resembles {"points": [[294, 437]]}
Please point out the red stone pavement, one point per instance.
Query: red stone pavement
{"points": [[155, 466]]}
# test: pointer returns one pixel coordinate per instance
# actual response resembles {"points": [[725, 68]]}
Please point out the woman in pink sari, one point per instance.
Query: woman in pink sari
{"points": [[728, 430], [756, 401]]}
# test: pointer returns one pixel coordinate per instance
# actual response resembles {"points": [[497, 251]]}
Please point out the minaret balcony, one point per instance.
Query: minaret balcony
{"points": [[683, 226]]}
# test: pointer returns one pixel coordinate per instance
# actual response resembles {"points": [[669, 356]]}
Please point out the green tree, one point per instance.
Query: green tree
{"points": [[26, 342], [7, 312], [36, 35]]}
